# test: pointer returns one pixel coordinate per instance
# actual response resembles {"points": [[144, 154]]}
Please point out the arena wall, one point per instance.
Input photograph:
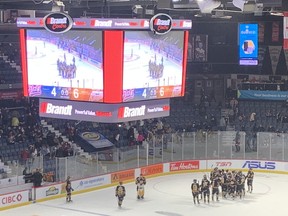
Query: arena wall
{"points": [[54, 191]]}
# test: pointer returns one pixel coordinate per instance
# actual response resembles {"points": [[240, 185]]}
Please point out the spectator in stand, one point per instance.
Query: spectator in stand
{"points": [[159, 125], [212, 97], [15, 121], [53, 152], [222, 123], [24, 155], [45, 151], [271, 129], [213, 122], [140, 139], [260, 128], [269, 113], [131, 136], [5, 114], [11, 138], [37, 177], [231, 115], [117, 139], [30, 120], [253, 117], [284, 119], [28, 178], [32, 152], [279, 117], [233, 103], [241, 117], [237, 141]]}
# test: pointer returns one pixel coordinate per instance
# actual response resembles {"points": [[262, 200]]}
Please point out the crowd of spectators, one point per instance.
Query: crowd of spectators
{"points": [[20, 126]]}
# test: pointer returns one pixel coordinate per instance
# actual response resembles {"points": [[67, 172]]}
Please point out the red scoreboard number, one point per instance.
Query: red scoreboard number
{"points": [[81, 94]]}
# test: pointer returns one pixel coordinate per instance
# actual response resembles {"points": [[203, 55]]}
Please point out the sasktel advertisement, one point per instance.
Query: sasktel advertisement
{"points": [[107, 113]]}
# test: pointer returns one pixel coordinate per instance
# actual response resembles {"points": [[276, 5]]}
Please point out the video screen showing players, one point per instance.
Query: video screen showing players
{"points": [[66, 66], [153, 65]]}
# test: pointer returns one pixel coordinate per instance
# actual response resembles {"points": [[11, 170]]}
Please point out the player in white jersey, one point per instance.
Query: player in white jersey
{"points": [[140, 182]]}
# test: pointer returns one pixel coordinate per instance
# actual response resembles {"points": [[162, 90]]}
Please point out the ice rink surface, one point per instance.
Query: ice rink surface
{"points": [[167, 196], [42, 67], [136, 70]]}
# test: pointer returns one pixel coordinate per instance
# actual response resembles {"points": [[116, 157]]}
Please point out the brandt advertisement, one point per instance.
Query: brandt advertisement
{"points": [[107, 113]]}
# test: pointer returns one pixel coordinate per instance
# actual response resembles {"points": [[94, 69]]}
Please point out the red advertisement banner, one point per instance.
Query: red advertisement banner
{"points": [[152, 170], [122, 176], [184, 165]]}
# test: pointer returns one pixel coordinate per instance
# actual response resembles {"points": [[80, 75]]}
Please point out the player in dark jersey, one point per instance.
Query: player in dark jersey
{"points": [[224, 183], [69, 190], [240, 182], [195, 187], [68, 180], [250, 177], [231, 186], [120, 193], [214, 173], [140, 182], [205, 189], [215, 188]]}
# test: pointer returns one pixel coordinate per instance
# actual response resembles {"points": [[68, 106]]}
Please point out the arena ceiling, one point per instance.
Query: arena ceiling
{"points": [[184, 8]]}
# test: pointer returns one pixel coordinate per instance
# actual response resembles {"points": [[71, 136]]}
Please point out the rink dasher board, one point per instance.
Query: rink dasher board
{"points": [[54, 191]]}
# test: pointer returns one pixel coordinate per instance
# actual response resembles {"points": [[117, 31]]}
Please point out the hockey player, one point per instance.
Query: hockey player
{"points": [[68, 180], [120, 193], [69, 190], [224, 184], [240, 182], [140, 182], [231, 185], [214, 173], [205, 188], [195, 187], [250, 177], [215, 188]]}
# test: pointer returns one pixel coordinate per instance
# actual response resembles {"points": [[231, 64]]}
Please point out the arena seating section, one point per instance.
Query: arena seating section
{"points": [[185, 115]]}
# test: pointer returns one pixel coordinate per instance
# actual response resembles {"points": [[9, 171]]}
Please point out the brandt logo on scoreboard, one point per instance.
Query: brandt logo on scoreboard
{"points": [[106, 23], [127, 112], [58, 22], [161, 23], [49, 108]]}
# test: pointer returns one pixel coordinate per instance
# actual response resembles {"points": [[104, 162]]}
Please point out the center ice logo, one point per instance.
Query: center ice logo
{"points": [[161, 24], [58, 22]]}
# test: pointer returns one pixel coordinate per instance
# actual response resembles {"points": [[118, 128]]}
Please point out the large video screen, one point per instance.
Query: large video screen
{"points": [[153, 65], [65, 66], [248, 44]]}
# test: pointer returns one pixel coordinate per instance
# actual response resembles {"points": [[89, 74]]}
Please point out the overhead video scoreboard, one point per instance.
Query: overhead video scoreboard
{"points": [[103, 60]]}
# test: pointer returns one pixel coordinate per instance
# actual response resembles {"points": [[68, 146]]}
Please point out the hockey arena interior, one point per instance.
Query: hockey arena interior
{"points": [[153, 107]]}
